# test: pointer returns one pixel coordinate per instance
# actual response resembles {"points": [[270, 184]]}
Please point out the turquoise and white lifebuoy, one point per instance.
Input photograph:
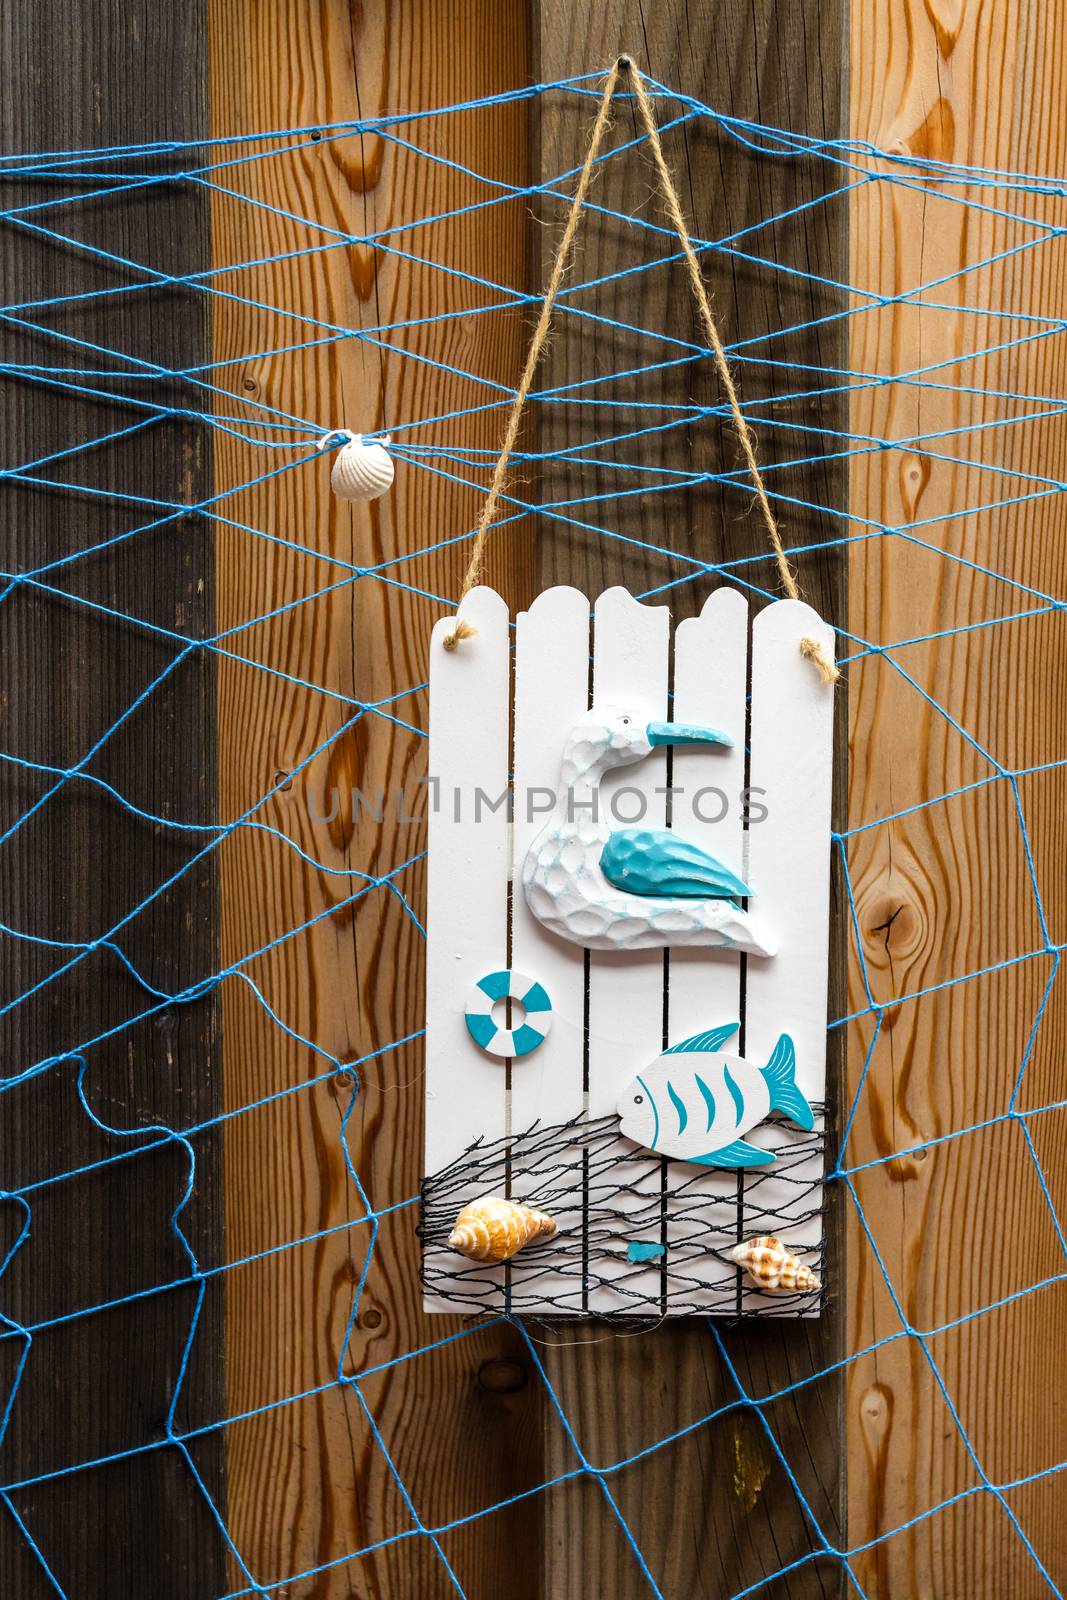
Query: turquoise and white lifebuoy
{"points": [[508, 985]]}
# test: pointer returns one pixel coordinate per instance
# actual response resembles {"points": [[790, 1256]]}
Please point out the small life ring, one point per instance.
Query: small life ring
{"points": [[508, 1042]]}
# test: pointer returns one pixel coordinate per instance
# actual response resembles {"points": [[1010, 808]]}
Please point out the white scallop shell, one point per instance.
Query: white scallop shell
{"points": [[362, 470]]}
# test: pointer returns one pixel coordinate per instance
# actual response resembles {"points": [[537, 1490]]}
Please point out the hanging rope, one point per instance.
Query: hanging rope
{"points": [[812, 649], [463, 630]]}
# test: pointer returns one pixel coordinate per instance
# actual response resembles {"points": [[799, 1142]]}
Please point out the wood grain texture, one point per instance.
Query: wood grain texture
{"points": [[102, 1383], [713, 1511], [947, 891], [307, 1482]]}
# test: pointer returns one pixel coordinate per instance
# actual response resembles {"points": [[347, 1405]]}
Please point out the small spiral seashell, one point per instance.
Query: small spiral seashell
{"points": [[772, 1265], [362, 469], [494, 1229]]}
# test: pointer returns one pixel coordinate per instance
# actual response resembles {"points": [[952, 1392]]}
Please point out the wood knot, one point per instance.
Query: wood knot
{"points": [[503, 1376], [914, 476], [894, 927], [876, 1415]]}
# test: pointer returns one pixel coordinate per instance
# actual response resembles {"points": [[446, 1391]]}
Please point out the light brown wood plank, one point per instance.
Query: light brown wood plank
{"points": [[946, 891], [307, 1482]]}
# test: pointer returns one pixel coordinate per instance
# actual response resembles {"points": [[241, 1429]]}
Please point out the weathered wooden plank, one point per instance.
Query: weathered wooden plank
{"points": [[103, 1382], [713, 1512], [947, 891], [308, 1483]]}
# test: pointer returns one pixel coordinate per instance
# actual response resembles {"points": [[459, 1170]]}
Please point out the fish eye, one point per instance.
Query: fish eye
{"points": [[639, 1099]]}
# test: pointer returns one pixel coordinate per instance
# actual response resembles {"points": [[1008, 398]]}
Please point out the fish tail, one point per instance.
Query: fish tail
{"points": [[780, 1077]]}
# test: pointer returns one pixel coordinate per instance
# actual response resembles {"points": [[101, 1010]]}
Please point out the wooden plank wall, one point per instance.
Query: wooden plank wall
{"points": [[469, 1423], [947, 891], [306, 1482], [736, 1518], [102, 1384]]}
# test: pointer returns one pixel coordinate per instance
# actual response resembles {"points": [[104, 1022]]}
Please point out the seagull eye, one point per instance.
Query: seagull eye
{"points": [[639, 1099], [626, 722]]}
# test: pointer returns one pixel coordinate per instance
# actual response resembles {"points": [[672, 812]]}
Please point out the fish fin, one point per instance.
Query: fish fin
{"points": [[712, 1040], [780, 1077], [738, 1154]]}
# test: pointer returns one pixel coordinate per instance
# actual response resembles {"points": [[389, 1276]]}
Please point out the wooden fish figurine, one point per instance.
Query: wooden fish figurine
{"points": [[694, 1103], [495, 1229], [772, 1265]]}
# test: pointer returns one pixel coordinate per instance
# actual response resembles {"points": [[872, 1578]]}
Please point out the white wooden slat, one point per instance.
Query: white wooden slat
{"points": [[789, 869], [704, 987], [551, 694], [467, 892], [626, 990]]}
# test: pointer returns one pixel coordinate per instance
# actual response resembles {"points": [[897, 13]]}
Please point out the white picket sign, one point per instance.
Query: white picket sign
{"points": [[760, 804]]}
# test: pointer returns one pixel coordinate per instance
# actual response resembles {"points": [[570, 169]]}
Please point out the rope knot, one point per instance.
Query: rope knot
{"points": [[812, 650], [462, 630]]}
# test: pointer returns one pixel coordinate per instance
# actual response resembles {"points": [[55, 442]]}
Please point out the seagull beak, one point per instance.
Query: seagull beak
{"points": [[684, 733]]}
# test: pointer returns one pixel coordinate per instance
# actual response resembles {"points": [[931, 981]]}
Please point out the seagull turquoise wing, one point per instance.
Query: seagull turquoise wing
{"points": [[655, 861]]}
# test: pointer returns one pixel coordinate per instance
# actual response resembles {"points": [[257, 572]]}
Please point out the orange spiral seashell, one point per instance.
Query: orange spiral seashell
{"points": [[494, 1229], [772, 1265]]}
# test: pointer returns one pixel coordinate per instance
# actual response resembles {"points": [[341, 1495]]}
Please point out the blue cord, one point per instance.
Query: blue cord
{"points": [[155, 395]]}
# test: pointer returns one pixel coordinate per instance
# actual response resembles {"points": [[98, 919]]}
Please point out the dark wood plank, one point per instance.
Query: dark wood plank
{"points": [[715, 1511], [118, 71]]}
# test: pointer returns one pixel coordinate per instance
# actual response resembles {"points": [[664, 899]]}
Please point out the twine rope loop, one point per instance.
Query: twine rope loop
{"points": [[811, 648]]}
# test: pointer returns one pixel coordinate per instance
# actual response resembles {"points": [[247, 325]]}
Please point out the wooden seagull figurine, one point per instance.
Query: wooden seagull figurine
{"points": [[630, 888]]}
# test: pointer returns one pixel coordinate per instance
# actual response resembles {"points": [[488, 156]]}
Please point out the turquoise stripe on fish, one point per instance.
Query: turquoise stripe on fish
{"points": [[709, 1098], [735, 1093], [679, 1106]]}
